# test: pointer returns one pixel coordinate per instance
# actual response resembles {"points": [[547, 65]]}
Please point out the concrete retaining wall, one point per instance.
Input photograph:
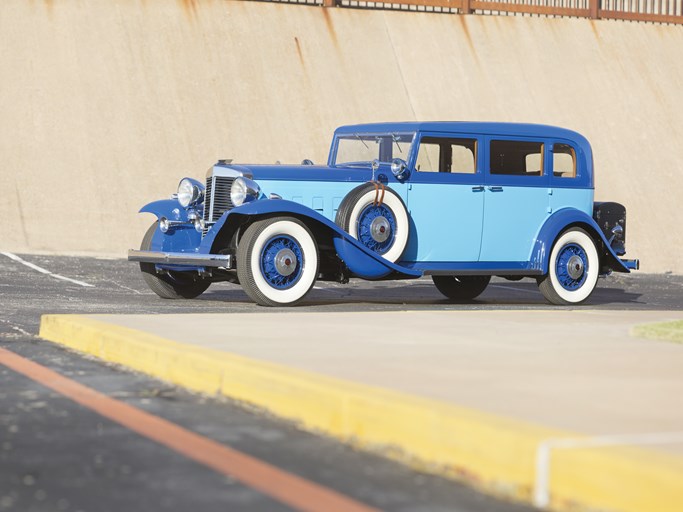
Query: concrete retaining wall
{"points": [[105, 105]]}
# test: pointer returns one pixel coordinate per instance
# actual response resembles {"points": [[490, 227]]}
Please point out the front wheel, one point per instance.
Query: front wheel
{"points": [[172, 285], [277, 261], [573, 269], [461, 287]]}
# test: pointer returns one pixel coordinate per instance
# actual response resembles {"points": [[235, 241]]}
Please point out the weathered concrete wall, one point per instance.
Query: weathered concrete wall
{"points": [[105, 105]]}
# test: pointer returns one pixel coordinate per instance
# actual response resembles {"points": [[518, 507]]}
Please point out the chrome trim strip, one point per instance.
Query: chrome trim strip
{"points": [[210, 200], [182, 258]]}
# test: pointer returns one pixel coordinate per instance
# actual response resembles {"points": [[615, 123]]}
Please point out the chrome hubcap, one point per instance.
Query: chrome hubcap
{"points": [[380, 230], [285, 262], [575, 267]]}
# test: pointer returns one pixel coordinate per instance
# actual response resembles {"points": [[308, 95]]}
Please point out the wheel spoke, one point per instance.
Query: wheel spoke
{"points": [[377, 228], [572, 267]]}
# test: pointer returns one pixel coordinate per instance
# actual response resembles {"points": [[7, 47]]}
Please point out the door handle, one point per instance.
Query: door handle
{"points": [[478, 188], [495, 189]]}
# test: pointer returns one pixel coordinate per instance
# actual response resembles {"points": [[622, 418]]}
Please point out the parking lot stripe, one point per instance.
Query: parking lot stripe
{"points": [[42, 270], [285, 487]]}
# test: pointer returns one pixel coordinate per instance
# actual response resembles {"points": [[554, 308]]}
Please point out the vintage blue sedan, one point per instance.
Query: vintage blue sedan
{"points": [[458, 201]]}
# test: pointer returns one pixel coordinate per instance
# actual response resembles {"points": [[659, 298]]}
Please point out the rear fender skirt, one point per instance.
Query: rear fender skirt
{"points": [[360, 260], [557, 223]]}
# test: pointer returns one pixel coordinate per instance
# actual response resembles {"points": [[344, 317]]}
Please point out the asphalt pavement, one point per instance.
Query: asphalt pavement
{"points": [[56, 455]]}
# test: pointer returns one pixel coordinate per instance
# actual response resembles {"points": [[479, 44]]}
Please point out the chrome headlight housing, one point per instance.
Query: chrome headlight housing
{"points": [[243, 191], [399, 168], [190, 192]]}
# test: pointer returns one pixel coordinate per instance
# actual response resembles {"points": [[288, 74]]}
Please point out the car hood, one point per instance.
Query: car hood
{"points": [[310, 172]]}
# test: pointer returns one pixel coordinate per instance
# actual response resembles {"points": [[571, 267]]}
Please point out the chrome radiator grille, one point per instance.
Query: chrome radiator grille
{"points": [[217, 200]]}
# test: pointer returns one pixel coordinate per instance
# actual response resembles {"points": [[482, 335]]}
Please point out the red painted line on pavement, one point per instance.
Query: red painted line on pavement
{"points": [[285, 487]]}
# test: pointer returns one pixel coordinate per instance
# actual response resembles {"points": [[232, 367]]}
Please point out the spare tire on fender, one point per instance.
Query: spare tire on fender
{"points": [[376, 216]]}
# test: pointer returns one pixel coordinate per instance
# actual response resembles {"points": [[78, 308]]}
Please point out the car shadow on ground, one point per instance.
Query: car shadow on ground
{"points": [[423, 295]]}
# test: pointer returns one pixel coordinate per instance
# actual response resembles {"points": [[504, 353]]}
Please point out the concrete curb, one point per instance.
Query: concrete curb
{"points": [[494, 453]]}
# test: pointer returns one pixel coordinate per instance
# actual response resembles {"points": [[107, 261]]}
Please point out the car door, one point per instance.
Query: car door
{"points": [[445, 199], [517, 197]]}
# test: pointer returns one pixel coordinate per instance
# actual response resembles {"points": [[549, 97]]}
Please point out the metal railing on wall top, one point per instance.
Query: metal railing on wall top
{"points": [[655, 11]]}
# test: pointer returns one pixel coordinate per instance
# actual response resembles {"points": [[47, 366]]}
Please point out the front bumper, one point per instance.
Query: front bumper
{"points": [[182, 258]]}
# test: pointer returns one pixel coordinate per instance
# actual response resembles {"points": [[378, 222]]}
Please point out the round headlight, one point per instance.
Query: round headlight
{"points": [[243, 191], [188, 192]]}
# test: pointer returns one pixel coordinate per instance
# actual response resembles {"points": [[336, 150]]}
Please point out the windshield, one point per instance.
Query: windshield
{"points": [[360, 149]]}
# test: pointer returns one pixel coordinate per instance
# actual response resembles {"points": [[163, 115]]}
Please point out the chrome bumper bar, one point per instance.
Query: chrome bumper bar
{"points": [[182, 258]]}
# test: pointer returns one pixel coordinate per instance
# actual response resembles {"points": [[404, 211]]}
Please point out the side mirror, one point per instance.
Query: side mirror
{"points": [[399, 169]]}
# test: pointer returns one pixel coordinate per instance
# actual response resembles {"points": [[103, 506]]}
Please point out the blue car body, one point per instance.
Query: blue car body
{"points": [[486, 221]]}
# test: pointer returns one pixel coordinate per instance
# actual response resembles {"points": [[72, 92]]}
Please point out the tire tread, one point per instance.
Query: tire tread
{"points": [[160, 284]]}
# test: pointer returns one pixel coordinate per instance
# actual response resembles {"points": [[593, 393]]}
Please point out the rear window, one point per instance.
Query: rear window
{"points": [[564, 161], [516, 158]]}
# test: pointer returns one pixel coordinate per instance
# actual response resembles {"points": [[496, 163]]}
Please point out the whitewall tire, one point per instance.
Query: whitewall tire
{"points": [[573, 269], [277, 261]]}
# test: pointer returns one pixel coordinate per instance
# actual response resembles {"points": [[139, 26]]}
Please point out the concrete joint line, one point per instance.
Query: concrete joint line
{"points": [[541, 494]]}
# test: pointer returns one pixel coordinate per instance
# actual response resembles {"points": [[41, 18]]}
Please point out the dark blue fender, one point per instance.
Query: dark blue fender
{"points": [[555, 225], [359, 259], [169, 208], [178, 239]]}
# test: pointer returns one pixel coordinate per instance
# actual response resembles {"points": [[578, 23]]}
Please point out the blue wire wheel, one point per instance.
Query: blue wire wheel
{"points": [[376, 228], [571, 267], [282, 262]]}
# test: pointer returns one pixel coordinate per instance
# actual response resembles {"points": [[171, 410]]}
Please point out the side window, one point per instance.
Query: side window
{"points": [[440, 154], [515, 157], [564, 161], [428, 156], [463, 156]]}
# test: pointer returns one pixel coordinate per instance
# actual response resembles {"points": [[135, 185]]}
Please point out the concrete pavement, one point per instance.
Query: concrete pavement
{"points": [[473, 394], [576, 370]]}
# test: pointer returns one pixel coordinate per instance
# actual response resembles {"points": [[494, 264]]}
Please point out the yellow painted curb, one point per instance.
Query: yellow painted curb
{"points": [[494, 453]]}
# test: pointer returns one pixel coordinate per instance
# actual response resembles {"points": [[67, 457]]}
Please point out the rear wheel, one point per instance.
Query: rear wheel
{"points": [[172, 285], [573, 269], [461, 287], [277, 261]]}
